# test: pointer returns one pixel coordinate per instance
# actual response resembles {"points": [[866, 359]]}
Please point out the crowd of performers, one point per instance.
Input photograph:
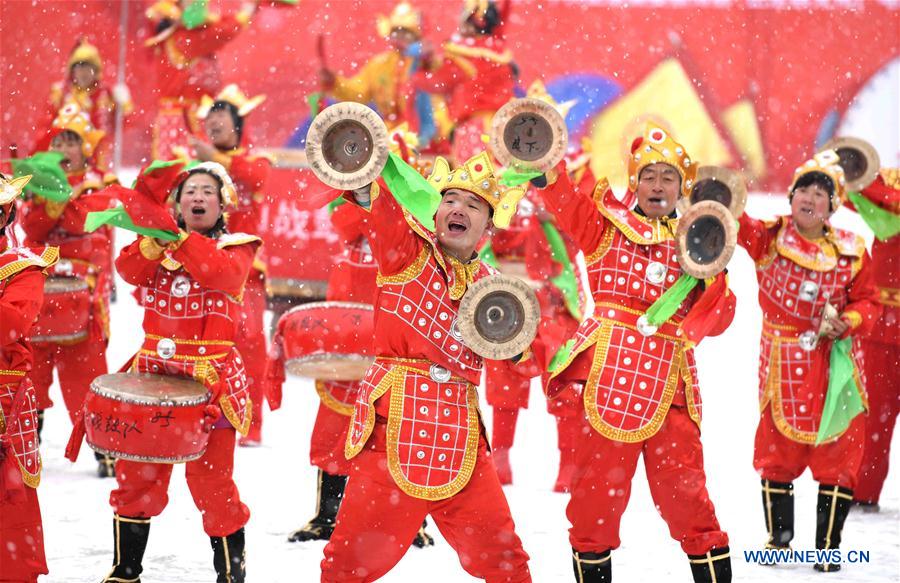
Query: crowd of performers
{"points": [[411, 431]]}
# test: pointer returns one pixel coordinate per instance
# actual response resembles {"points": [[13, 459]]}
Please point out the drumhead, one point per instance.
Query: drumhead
{"points": [[328, 305], [151, 389], [61, 285], [330, 367]]}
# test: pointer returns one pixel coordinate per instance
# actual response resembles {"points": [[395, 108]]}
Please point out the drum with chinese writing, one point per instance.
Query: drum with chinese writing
{"points": [[147, 418], [65, 312], [330, 341]]}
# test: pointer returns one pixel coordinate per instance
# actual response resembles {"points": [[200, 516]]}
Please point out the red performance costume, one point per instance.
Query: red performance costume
{"points": [[533, 242], [186, 70], [416, 438], [191, 292], [476, 74], [21, 292], [797, 278], [97, 100], [882, 347], [641, 394], [249, 172], [72, 330]]}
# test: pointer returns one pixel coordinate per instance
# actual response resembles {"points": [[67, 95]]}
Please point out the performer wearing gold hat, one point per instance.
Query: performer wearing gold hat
{"points": [[383, 79], [224, 119], [84, 86], [416, 438], [815, 290], [72, 330], [882, 345], [476, 74], [640, 390], [186, 68], [21, 293]]}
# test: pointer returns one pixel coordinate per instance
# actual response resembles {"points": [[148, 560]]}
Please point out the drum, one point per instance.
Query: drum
{"points": [[499, 317], [65, 312], [147, 417], [330, 341]]}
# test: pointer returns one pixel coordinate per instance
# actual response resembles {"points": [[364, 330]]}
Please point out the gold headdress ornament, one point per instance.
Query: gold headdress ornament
{"points": [[828, 163], [229, 193], [164, 9], [233, 95], [85, 52], [476, 7], [11, 188], [657, 146], [477, 176], [71, 117], [537, 90], [402, 16]]}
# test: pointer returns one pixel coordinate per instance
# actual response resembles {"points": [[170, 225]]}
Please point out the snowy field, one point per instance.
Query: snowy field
{"points": [[278, 484]]}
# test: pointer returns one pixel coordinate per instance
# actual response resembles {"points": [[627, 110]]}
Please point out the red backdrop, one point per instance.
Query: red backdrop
{"points": [[796, 64]]}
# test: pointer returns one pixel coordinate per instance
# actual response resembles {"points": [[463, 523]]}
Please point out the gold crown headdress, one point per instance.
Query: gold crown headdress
{"points": [[657, 146], [233, 95]]}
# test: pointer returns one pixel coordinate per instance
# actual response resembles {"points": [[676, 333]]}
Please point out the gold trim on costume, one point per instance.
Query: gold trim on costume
{"points": [[150, 249], [46, 259], [661, 230], [409, 273], [329, 401], [386, 382], [231, 414]]}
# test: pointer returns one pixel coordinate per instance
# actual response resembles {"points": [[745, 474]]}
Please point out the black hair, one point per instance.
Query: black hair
{"points": [[489, 22], [819, 179], [10, 219], [163, 25], [236, 119], [219, 228]]}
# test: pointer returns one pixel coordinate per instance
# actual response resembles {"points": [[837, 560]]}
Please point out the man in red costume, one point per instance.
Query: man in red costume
{"points": [[186, 68], [229, 145], [191, 291], [534, 245], [84, 87], [476, 74], [641, 394], [21, 292], [416, 439], [72, 330], [882, 347], [803, 264]]}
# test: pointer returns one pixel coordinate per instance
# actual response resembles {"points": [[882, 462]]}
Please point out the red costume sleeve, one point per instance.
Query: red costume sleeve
{"points": [[755, 236], [575, 211], [209, 38], [713, 311], [881, 194], [38, 220], [223, 268], [75, 212], [348, 223], [137, 266], [251, 171], [20, 304], [863, 299], [442, 79], [394, 244]]}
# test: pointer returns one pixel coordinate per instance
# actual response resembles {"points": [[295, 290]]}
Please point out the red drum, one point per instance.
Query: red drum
{"points": [[65, 312], [147, 417], [330, 341]]}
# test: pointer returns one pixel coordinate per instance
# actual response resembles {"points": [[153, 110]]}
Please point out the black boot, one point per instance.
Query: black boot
{"points": [[592, 567], [423, 539], [712, 567], [106, 465], [229, 557], [831, 511], [330, 493], [130, 542], [778, 507], [40, 422]]}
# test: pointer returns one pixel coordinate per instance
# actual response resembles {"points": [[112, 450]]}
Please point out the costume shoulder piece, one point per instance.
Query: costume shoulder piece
{"points": [[821, 254], [232, 239], [12, 261], [636, 228]]}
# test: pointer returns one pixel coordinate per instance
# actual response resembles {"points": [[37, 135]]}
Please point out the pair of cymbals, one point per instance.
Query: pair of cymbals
{"points": [[347, 144]]}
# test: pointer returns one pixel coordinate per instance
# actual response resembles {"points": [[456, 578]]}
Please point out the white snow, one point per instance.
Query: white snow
{"points": [[278, 484]]}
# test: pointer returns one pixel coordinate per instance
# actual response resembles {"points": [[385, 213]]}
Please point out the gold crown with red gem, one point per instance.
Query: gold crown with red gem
{"points": [[72, 118], [477, 176], [657, 146]]}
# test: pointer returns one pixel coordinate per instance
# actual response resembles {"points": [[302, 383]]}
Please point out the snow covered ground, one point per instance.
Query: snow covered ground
{"points": [[279, 486]]}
